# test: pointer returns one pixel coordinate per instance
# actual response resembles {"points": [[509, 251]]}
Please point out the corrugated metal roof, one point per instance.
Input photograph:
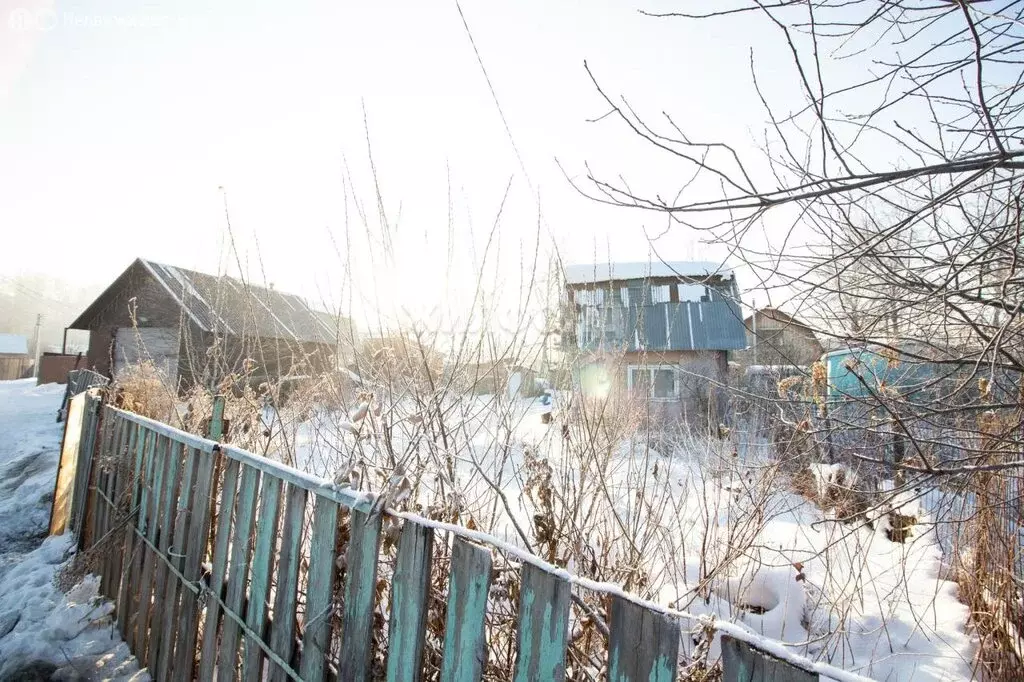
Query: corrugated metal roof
{"points": [[230, 306], [687, 325], [12, 344], [605, 272]]}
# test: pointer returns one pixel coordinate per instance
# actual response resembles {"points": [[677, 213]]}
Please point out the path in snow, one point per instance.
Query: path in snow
{"points": [[55, 635]]}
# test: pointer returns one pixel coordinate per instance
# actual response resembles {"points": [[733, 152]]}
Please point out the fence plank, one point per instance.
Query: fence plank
{"points": [[96, 503], [81, 469], [644, 645], [464, 654], [743, 663], [543, 627], [67, 470], [154, 507], [316, 637], [129, 489], [176, 555], [245, 519], [83, 474], [360, 590], [198, 533], [410, 594], [222, 538], [143, 485], [282, 631], [167, 517], [108, 569], [259, 590]]}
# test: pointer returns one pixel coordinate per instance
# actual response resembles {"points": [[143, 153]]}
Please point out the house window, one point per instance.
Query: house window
{"points": [[658, 382], [664, 383], [660, 294], [692, 292]]}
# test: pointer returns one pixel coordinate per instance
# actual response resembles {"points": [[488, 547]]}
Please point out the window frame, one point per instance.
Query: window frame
{"points": [[651, 369]]}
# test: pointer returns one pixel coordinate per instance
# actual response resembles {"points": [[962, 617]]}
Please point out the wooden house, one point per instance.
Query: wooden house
{"points": [[200, 328], [14, 357], [657, 331], [778, 338]]}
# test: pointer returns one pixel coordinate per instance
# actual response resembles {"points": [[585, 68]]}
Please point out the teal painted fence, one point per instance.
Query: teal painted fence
{"points": [[226, 565]]}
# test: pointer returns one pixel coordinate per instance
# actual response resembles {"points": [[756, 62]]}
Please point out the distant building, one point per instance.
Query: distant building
{"points": [[777, 338], [199, 328], [14, 358], [658, 331], [54, 367]]}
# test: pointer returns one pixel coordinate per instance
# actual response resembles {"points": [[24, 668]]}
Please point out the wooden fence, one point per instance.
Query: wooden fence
{"points": [[79, 380], [229, 565]]}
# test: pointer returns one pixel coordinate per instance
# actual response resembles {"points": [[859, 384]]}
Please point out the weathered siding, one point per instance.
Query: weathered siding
{"points": [[137, 291], [271, 358], [159, 345], [779, 340], [13, 366]]}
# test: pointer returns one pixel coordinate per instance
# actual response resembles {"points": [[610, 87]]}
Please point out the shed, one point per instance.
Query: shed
{"points": [[775, 337], [14, 357], [201, 328]]}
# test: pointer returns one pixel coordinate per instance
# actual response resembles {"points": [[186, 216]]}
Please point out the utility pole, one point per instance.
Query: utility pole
{"points": [[35, 344]]}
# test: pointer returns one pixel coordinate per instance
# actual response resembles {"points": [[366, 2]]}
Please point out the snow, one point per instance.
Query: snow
{"points": [[12, 344], [805, 587], [603, 272], [67, 636], [28, 462]]}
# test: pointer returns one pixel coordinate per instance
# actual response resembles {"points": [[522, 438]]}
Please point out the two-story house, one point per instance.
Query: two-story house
{"points": [[650, 329]]}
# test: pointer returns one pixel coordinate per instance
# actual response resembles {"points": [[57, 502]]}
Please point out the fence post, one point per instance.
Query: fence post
{"points": [[80, 504], [216, 429]]}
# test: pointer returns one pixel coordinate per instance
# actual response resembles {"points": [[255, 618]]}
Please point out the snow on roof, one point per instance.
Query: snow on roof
{"points": [[12, 344], [604, 272]]}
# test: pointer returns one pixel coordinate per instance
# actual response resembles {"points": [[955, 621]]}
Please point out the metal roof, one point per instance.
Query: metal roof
{"points": [[686, 325], [12, 344], [229, 306], [605, 272]]}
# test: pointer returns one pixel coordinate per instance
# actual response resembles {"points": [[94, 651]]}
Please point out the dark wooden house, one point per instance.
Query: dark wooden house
{"points": [[200, 328]]}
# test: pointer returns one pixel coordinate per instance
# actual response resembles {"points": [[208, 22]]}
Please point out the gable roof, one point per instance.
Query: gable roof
{"points": [[230, 306], [12, 344], [606, 272], [778, 316]]}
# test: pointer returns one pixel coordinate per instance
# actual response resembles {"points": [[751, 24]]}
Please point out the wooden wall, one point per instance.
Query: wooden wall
{"points": [[13, 366]]}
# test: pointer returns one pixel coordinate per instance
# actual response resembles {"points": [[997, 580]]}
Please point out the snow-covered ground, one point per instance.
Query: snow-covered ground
{"points": [[829, 591], [44, 633], [834, 592]]}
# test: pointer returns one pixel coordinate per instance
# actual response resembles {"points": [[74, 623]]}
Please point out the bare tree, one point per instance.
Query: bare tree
{"points": [[902, 189]]}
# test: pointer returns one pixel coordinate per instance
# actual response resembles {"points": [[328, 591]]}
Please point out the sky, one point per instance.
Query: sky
{"points": [[127, 128]]}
